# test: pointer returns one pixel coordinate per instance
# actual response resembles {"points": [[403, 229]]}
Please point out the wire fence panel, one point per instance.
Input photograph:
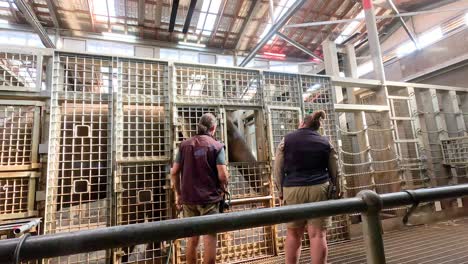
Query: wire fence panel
{"points": [[240, 245], [455, 151], [142, 111], [248, 179], [282, 122], [187, 118], [281, 89], [200, 84], [317, 94], [17, 193], [143, 196], [80, 149], [19, 133], [20, 71]]}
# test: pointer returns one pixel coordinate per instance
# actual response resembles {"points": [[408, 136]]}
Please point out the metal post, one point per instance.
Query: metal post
{"points": [[372, 228], [373, 36], [272, 12], [277, 26], [403, 23]]}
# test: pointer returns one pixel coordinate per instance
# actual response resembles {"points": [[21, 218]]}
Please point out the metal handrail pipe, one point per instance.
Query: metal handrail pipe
{"points": [[46, 246], [62, 244]]}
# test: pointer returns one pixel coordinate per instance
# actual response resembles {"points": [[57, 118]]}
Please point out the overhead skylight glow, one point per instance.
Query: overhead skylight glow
{"points": [[365, 68], [466, 18], [279, 11], [207, 18], [349, 30], [3, 21], [4, 4], [430, 37], [100, 10], [116, 36], [405, 49]]}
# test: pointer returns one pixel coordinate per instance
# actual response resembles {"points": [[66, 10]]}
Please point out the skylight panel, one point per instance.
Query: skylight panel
{"points": [[100, 9], [349, 30], [214, 7], [405, 49], [430, 37]]}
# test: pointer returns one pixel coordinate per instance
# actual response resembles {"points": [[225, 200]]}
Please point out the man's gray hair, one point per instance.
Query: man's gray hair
{"points": [[206, 123]]}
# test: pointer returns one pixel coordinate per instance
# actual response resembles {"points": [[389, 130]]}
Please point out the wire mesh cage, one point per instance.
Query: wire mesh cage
{"points": [[143, 196], [17, 193], [249, 179], [455, 151], [80, 149], [19, 133], [142, 111], [20, 71], [202, 84], [282, 122], [281, 89], [240, 245], [317, 94], [186, 120]]}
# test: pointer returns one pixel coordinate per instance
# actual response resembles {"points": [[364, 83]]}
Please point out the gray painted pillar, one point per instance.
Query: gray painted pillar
{"points": [[330, 58], [373, 36]]}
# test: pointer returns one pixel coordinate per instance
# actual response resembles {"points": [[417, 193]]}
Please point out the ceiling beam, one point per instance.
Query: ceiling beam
{"points": [[13, 12], [175, 6], [274, 29], [218, 21], [188, 19], [298, 45], [238, 8], [403, 23], [255, 5], [141, 12], [53, 13], [29, 15], [91, 16]]}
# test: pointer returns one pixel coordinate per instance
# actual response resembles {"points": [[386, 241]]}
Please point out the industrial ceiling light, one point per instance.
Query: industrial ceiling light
{"points": [[116, 36], [466, 18], [274, 54], [3, 21], [191, 44]]}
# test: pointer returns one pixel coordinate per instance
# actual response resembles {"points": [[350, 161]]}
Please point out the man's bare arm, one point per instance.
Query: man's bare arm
{"points": [[175, 183], [279, 168], [223, 175]]}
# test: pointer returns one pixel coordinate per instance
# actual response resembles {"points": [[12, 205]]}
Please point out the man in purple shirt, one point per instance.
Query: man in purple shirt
{"points": [[199, 177]]}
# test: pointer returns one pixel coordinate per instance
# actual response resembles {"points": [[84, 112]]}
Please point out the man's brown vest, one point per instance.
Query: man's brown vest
{"points": [[199, 180]]}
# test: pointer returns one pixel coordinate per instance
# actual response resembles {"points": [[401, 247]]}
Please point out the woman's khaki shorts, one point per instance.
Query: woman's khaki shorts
{"points": [[307, 194]]}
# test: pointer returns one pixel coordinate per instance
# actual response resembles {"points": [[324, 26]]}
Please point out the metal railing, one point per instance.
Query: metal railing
{"points": [[367, 202]]}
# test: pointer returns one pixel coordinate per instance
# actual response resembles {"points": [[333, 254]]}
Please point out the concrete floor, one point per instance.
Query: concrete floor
{"points": [[441, 243]]}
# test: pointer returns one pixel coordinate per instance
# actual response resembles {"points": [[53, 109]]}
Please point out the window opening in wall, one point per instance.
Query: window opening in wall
{"points": [[81, 186], [82, 131], [145, 196]]}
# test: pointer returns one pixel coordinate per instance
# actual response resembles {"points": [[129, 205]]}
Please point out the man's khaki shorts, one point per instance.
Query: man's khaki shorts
{"points": [[200, 209], [307, 194]]}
